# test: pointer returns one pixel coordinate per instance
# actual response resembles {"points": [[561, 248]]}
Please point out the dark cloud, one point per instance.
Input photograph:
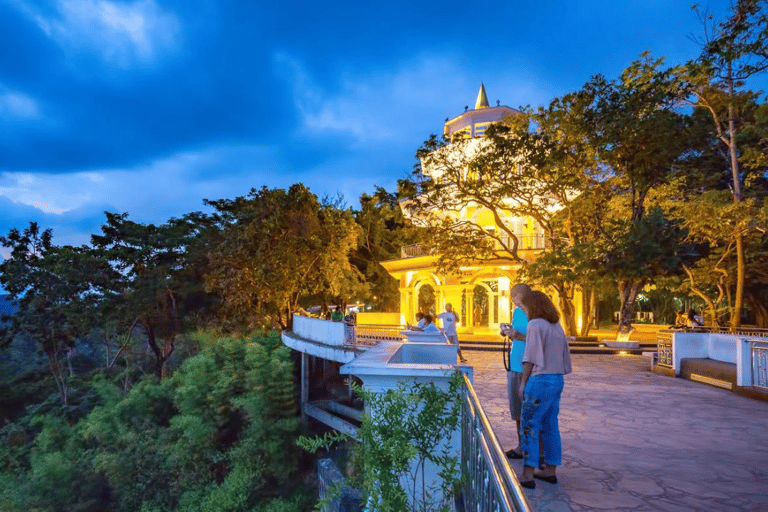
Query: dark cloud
{"points": [[209, 99]]}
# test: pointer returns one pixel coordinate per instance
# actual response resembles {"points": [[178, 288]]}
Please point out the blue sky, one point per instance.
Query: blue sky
{"points": [[149, 106]]}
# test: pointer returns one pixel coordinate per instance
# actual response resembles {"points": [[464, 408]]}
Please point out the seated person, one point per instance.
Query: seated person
{"points": [[429, 324], [694, 319], [419, 326]]}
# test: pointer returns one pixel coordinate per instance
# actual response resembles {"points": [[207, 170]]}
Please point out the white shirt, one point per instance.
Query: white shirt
{"points": [[449, 322]]}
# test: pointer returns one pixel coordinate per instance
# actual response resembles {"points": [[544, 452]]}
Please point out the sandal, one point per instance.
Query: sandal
{"points": [[552, 479]]}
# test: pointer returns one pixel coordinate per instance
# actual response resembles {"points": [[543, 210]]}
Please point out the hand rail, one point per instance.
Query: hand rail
{"points": [[490, 483], [536, 241]]}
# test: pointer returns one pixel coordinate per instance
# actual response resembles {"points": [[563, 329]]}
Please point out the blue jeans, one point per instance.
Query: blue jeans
{"points": [[541, 405]]}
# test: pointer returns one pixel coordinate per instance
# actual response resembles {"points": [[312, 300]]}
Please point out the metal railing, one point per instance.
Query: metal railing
{"points": [[526, 242], [756, 332], [664, 348], [760, 364], [488, 482], [369, 335]]}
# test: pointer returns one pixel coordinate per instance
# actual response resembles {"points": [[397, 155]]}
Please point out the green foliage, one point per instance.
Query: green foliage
{"points": [[406, 429], [383, 231], [275, 246], [217, 436]]}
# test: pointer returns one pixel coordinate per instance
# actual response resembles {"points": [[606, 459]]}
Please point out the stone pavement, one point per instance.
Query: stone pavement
{"points": [[638, 441]]}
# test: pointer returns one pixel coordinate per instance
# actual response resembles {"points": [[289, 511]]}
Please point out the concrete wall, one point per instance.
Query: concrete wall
{"points": [[315, 329], [387, 364]]}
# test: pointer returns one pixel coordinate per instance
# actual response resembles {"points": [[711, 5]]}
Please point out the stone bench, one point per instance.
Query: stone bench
{"points": [[696, 348]]}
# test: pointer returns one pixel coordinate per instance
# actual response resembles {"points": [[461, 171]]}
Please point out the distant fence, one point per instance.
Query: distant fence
{"points": [[368, 335]]}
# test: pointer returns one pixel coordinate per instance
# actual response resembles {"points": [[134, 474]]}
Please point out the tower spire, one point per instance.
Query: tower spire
{"points": [[482, 99]]}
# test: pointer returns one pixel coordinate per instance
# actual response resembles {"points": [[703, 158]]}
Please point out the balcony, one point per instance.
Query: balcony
{"points": [[526, 243]]}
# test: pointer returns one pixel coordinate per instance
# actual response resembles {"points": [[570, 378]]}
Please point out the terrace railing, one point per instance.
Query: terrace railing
{"points": [[489, 483], [526, 242], [369, 335], [760, 364]]}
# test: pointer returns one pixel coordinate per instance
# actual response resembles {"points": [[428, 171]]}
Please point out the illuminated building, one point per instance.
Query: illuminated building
{"points": [[479, 286]]}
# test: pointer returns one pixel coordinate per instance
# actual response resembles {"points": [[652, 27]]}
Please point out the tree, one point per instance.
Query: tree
{"points": [[514, 174], [56, 289], [384, 230], [735, 50], [156, 289], [274, 247], [636, 132], [614, 139]]}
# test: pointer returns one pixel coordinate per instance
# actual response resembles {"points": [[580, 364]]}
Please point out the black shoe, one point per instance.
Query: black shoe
{"points": [[512, 454], [551, 479], [528, 484]]}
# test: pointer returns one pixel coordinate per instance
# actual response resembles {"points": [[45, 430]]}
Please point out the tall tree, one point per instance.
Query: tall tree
{"points": [[515, 179], [155, 285], [384, 230], [56, 289], [276, 246], [734, 50], [637, 135]]}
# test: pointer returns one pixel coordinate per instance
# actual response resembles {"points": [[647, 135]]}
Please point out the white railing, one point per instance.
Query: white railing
{"points": [[760, 364], [342, 334], [489, 484], [525, 242], [368, 335]]}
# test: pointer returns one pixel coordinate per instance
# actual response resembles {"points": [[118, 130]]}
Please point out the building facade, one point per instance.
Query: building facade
{"points": [[480, 290]]}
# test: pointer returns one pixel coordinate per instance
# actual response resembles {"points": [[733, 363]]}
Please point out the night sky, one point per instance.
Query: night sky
{"points": [[149, 106]]}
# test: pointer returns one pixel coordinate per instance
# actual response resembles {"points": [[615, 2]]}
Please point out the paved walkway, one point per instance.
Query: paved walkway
{"points": [[637, 441]]}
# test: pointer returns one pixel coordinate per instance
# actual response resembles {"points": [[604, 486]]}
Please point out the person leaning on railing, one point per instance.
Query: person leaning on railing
{"points": [[420, 325], [546, 359]]}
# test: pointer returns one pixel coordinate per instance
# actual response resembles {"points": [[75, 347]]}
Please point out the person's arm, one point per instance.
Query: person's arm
{"points": [[527, 369]]}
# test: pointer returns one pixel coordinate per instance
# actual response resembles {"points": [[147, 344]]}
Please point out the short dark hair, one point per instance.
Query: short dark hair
{"points": [[428, 319], [539, 306], [419, 315], [520, 288]]}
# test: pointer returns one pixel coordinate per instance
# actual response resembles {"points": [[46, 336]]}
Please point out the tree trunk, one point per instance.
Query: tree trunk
{"points": [[741, 266], [627, 293], [704, 297], [58, 376], [587, 311], [567, 308], [761, 312], [160, 357]]}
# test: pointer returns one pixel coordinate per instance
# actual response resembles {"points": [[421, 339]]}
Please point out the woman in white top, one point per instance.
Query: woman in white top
{"points": [[546, 359]]}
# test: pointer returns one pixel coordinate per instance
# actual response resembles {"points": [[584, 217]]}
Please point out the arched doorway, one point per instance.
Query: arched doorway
{"points": [[425, 301], [480, 307]]}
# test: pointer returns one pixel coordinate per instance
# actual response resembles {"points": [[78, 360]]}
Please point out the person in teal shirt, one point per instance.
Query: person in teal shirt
{"points": [[516, 332]]}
